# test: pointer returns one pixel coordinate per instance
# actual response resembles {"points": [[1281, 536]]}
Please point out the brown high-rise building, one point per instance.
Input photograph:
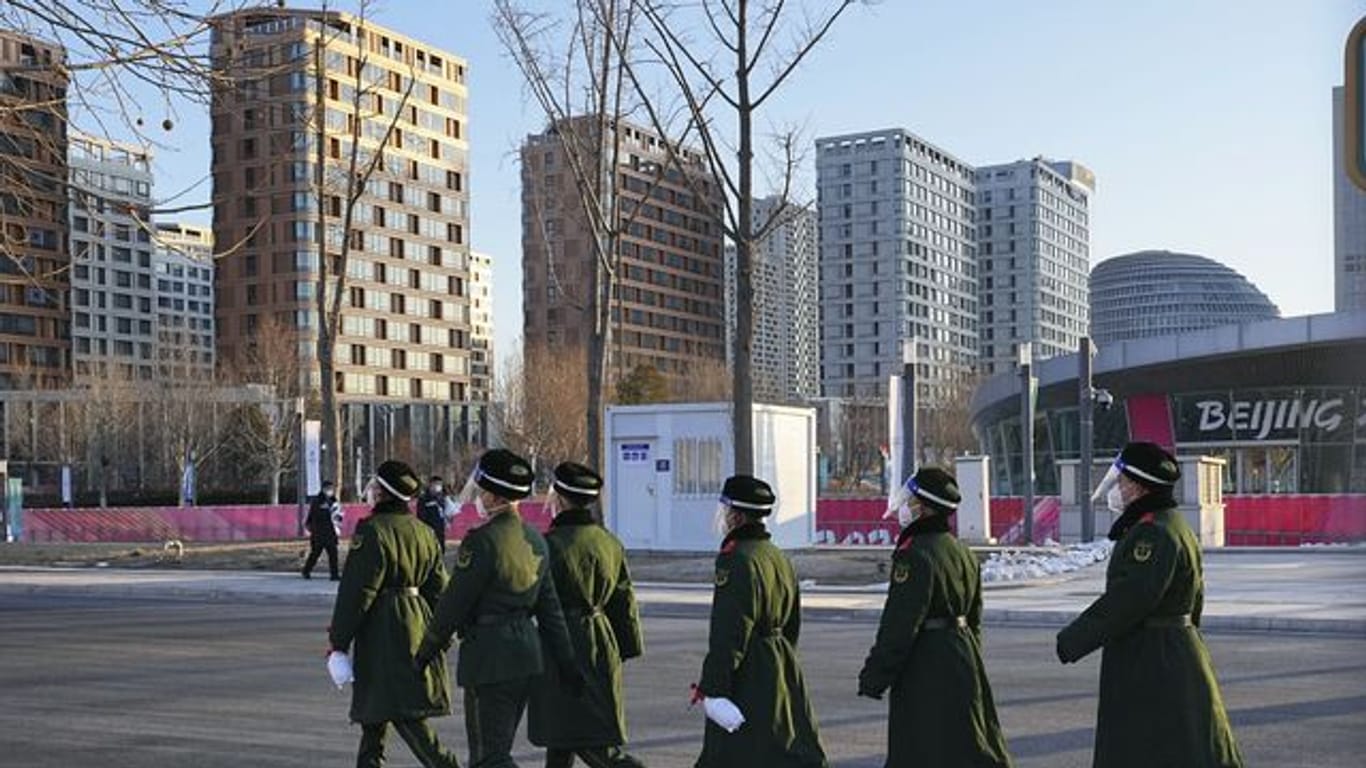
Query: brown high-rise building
{"points": [[668, 308], [35, 260], [406, 328]]}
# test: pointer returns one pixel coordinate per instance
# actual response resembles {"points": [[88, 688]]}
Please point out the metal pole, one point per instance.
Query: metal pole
{"points": [[1027, 439], [909, 444], [300, 468], [1086, 410]]}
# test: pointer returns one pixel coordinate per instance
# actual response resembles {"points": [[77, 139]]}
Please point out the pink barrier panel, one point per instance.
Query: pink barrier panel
{"points": [[1290, 520]]}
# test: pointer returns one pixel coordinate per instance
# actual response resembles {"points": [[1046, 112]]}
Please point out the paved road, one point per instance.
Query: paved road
{"points": [[121, 682]]}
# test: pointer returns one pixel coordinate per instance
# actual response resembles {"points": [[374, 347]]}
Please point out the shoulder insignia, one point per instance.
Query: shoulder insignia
{"points": [[722, 577], [901, 573], [1147, 517], [728, 547], [463, 558], [1143, 551]]}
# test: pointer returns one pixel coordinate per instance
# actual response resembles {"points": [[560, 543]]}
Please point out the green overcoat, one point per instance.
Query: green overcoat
{"points": [[501, 582], [941, 710], [392, 578], [1159, 701], [589, 567], [752, 659]]}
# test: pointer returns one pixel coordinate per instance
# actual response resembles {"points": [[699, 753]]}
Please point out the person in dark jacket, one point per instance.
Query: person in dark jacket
{"points": [[1159, 700], [392, 580], [588, 564], [434, 508], [929, 641], [752, 687], [501, 583], [324, 526]]}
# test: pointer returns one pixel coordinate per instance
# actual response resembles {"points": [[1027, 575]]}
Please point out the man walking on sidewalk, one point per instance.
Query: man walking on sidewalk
{"points": [[324, 526], [1159, 701]]}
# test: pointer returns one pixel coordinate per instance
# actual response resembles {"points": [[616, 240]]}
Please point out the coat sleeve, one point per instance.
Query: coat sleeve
{"points": [[908, 600], [435, 584], [1199, 608], [360, 584], [734, 607], [792, 630], [974, 616], [473, 569], [1140, 572], [550, 619], [624, 616]]}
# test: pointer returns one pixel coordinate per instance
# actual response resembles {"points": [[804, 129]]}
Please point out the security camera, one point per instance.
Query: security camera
{"points": [[1104, 399]]}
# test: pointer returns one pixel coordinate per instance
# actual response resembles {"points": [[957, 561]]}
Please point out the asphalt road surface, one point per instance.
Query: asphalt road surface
{"points": [[87, 682]]}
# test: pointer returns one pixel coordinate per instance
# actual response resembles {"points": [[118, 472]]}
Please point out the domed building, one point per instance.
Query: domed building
{"points": [[1161, 293]]}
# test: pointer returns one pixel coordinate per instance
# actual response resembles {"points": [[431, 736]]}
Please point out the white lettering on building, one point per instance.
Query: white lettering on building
{"points": [[1257, 418]]}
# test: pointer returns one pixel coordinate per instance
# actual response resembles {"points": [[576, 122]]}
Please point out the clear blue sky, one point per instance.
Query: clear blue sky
{"points": [[1208, 124]]}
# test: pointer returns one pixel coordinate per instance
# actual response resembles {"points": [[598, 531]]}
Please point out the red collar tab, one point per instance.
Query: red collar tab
{"points": [[905, 544], [1147, 517], [728, 547]]}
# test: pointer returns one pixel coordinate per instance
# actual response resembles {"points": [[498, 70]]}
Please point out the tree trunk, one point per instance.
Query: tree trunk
{"points": [[742, 382]]}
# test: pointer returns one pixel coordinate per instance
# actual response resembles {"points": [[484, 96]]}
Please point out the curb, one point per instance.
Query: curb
{"points": [[992, 617]]}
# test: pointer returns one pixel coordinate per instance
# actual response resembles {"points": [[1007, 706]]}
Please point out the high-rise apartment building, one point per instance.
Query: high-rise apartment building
{"points": [[668, 309], [1349, 221], [482, 360], [784, 350], [113, 332], [897, 262], [1033, 259], [406, 331], [182, 263], [35, 346]]}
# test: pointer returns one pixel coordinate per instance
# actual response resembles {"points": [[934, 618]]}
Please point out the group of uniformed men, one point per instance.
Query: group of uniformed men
{"points": [[545, 623]]}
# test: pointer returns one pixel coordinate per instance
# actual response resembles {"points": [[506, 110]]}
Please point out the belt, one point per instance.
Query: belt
{"points": [[1180, 620], [400, 591], [498, 619], [768, 631], [583, 613], [945, 622]]}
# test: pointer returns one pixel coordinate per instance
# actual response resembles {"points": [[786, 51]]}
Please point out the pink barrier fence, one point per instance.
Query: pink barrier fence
{"points": [[1249, 521], [236, 523]]}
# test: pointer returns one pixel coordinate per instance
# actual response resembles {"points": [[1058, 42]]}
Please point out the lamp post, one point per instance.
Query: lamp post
{"points": [[301, 463], [1027, 384], [1088, 397], [910, 443]]}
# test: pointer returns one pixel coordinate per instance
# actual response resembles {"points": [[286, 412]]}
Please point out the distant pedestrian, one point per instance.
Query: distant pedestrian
{"points": [[1159, 701], [324, 526], [588, 564], [752, 686], [929, 641], [435, 508], [393, 578]]}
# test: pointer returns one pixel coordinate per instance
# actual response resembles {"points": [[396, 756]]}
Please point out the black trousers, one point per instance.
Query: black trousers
{"points": [[316, 548], [492, 714], [594, 757], [417, 734]]}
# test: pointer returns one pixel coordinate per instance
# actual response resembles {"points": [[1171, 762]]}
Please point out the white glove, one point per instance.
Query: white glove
{"points": [[724, 713], [339, 667]]}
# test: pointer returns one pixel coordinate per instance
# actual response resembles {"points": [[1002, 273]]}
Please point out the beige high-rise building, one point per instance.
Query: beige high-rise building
{"points": [[482, 361], [406, 333], [669, 307], [35, 259]]}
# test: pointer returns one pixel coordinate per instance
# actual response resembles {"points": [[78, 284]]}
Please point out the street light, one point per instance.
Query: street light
{"points": [[1088, 397], [909, 443], [1027, 385]]}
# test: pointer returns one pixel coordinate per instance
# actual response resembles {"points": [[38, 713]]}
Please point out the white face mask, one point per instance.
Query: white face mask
{"points": [[1114, 500], [479, 508], [905, 515], [553, 506], [719, 524], [372, 493], [437, 489]]}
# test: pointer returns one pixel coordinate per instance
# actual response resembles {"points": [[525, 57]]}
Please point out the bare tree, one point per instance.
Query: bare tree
{"points": [[267, 432], [339, 186], [576, 67], [727, 59], [543, 405], [945, 423]]}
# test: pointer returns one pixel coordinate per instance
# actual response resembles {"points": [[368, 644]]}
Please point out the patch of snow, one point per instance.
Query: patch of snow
{"points": [[1025, 566]]}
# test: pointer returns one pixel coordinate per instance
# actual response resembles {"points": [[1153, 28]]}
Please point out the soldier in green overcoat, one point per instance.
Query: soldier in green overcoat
{"points": [[1159, 700], [501, 601], [589, 567], [929, 641], [752, 686], [392, 579]]}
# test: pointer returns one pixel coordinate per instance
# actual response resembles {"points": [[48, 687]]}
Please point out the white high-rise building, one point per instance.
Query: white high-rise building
{"points": [[1349, 221], [481, 326], [1033, 259], [183, 263], [112, 289], [785, 346], [897, 261]]}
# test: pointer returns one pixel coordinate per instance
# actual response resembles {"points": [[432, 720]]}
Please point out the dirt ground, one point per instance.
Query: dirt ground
{"points": [[825, 566]]}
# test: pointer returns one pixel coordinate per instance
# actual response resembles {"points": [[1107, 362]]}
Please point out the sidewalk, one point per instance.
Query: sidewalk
{"points": [[1272, 591]]}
